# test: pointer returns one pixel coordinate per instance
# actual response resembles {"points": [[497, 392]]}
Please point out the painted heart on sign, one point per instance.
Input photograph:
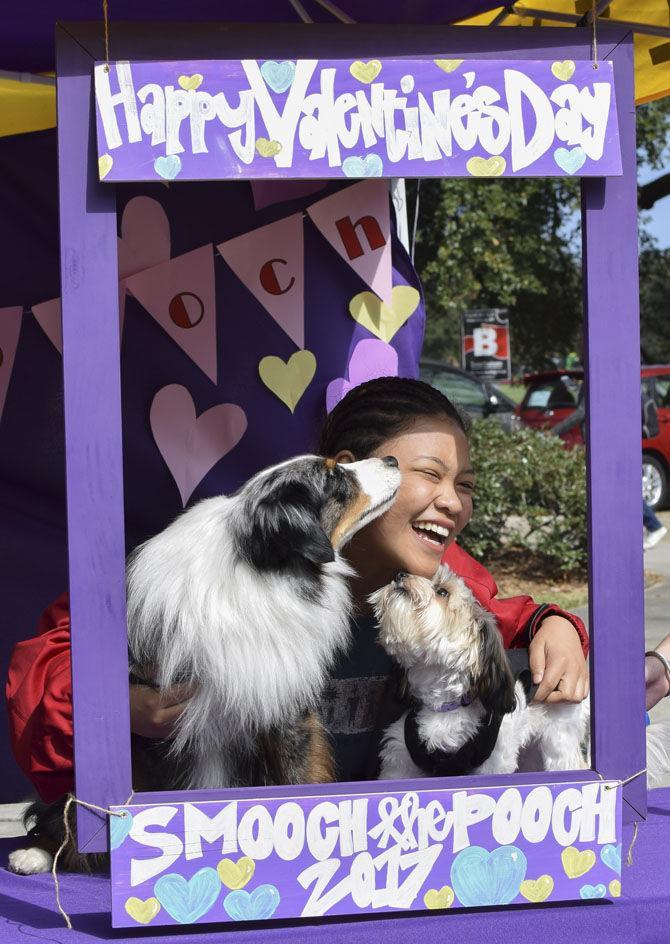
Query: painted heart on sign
{"points": [[480, 877], [369, 166], [370, 359], [435, 899], [365, 71], [142, 911], [577, 863], [288, 381], [190, 82], [119, 827], [563, 70], [381, 319], [570, 160], [611, 856], [168, 167], [192, 445], [105, 164], [257, 905], [278, 75], [592, 891], [267, 148], [236, 874], [615, 888], [537, 889], [486, 167], [187, 901], [448, 65]]}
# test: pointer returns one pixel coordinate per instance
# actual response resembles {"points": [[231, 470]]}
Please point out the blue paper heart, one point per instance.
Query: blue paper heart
{"points": [[611, 856], [119, 827], [570, 161], [480, 877], [592, 891], [369, 166], [278, 75], [187, 901], [168, 167], [261, 903]]}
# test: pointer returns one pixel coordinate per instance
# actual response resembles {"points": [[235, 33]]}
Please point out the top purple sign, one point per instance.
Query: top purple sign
{"points": [[232, 119]]}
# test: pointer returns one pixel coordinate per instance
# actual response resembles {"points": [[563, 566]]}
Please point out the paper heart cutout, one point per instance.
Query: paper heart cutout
{"points": [[369, 166], [190, 82], [592, 891], [439, 898], [187, 901], [288, 380], [119, 827], [168, 167], [145, 236], [105, 164], [448, 65], [576, 863], [192, 445], [258, 905], [537, 889], [370, 359], [563, 70], [142, 911], [236, 874], [480, 877], [611, 856], [615, 888], [570, 160], [278, 75], [383, 320], [267, 148], [486, 167], [365, 71]]}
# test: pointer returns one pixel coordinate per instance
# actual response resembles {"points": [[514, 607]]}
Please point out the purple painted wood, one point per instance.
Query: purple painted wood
{"points": [[93, 447], [609, 209]]}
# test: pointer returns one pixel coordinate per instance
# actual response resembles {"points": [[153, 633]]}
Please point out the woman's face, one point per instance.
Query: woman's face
{"points": [[433, 505]]}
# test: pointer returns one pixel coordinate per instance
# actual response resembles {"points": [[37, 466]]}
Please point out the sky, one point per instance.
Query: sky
{"points": [[658, 218]]}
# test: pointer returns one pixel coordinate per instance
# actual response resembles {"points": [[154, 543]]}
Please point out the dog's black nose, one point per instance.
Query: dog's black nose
{"points": [[390, 460], [400, 578]]}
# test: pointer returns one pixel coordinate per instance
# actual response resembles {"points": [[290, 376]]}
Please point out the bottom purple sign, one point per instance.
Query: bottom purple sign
{"points": [[256, 859]]}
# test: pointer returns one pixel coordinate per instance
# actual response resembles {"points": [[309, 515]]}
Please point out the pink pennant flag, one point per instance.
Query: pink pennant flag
{"points": [[180, 295], [356, 222], [267, 192], [270, 262], [49, 317], [10, 327]]}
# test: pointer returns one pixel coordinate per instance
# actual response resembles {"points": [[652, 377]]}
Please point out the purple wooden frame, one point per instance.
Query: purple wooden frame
{"points": [[92, 393]]}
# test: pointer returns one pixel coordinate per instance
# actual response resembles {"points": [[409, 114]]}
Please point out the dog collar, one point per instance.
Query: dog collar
{"points": [[461, 702]]}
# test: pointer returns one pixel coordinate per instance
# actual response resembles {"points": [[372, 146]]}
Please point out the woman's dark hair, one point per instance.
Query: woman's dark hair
{"points": [[380, 409]]}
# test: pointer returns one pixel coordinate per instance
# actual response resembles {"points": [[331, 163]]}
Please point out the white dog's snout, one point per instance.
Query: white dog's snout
{"points": [[378, 478]]}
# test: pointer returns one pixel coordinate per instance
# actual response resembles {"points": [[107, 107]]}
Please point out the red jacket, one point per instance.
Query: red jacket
{"points": [[39, 688]]}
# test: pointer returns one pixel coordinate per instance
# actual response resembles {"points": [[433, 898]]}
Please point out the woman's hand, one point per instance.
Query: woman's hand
{"points": [[557, 662], [153, 712]]}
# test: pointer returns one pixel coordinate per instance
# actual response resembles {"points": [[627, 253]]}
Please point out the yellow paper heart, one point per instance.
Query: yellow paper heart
{"points": [[448, 65], [381, 319], [236, 874], [288, 381], [104, 165], [142, 911], [190, 82], [442, 898], [615, 888], [365, 71], [537, 889], [563, 70], [483, 167], [267, 148], [577, 863]]}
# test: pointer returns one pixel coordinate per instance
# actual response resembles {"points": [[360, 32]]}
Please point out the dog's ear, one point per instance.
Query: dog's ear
{"points": [[285, 526], [495, 685]]}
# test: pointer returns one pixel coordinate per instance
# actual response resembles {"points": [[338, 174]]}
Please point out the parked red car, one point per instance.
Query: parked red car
{"points": [[551, 396]]}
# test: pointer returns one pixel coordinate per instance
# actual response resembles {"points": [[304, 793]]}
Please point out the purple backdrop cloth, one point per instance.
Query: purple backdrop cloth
{"points": [[33, 565], [641, 916]]}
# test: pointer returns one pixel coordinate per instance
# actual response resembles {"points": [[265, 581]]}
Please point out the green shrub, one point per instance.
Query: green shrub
{"points": [[530, 496]]}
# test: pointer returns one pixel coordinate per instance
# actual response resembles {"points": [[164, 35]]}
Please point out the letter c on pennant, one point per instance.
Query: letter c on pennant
{"points": [[268, 278]]}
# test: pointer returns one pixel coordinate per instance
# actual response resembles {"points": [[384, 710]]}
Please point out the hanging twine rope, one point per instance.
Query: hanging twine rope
{"points": [[106, 25], [621, 783], [594, 41]]}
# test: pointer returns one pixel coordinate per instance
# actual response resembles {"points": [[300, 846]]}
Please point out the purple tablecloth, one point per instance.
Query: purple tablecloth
{"points": [[642, 916]]}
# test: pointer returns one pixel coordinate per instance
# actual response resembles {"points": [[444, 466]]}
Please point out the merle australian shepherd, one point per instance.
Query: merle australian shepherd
{"points": [[245, 598]]}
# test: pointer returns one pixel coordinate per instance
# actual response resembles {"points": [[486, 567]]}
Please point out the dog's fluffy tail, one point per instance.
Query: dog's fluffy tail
{"points": [[658, 754]]}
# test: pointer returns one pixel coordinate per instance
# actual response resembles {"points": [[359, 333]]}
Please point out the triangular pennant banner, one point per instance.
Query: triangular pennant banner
{"points": [[10, 327], [267, 192], [270, 262], [356, 222], [180, 295], [49, 317]]}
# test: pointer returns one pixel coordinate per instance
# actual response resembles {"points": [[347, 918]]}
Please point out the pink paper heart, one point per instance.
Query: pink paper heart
{"points": [[370, 358], [192, 445], [145, 236]]}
